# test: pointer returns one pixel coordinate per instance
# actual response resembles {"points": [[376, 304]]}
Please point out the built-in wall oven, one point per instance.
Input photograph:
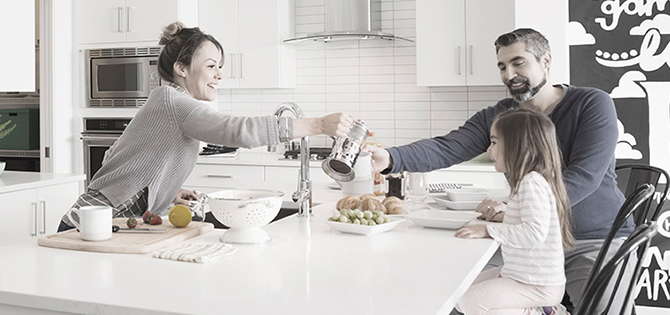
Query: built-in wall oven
{"points": [[98, 136]]}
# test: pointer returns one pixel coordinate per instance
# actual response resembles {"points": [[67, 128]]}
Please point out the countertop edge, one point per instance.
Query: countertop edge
{"points": [[57, 305], [11, 181]]}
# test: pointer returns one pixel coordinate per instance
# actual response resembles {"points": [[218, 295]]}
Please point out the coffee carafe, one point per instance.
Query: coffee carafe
{"points": [[340, 163]]}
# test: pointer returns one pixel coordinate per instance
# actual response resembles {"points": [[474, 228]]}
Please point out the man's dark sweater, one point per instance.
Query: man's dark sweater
{"points": [[586, 125]]}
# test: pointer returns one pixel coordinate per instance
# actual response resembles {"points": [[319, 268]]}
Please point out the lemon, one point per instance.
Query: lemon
{"points": [[180, 215]]}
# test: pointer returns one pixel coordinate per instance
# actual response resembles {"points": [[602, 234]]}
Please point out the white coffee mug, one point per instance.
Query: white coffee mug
{"points": [[95, 222]]}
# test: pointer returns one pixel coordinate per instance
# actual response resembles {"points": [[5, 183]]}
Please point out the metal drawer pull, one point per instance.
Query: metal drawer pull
{"points": [[471, 59], [241, 69], [128, 19], [34, 207], [119, 15], [459, 60], [44, 217], [219, 176]]}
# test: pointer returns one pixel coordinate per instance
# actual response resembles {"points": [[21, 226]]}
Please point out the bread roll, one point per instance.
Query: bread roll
{"points": [[395, 208], [349, 202], [369, 196], [370, 204], [391, 199]]}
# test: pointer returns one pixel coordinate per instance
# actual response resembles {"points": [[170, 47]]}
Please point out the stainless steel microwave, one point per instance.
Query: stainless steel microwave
{"points": [[121, 77]]}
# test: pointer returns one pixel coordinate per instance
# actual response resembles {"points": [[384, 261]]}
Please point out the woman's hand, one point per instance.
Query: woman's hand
{"points": [[381, 159], [184, 196], [473, 231], [336, 125], [491, 210]]}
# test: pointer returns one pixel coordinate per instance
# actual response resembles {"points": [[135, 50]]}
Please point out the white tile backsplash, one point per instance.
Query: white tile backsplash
{"points": [[371, 80]]}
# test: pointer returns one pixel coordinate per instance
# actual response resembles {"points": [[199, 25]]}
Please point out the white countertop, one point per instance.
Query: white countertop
{"points": [[307, 268], [14, 181]]}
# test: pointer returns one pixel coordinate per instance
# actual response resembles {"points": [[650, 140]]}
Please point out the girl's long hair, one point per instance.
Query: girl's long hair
{"points": [[530, 144]]}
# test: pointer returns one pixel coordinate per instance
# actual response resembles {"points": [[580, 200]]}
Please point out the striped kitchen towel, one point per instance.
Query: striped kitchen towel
{"points": [[198, 253]]}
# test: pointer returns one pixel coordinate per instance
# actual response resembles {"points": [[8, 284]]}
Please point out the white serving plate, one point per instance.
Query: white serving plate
{"points": [[365, 229], [441, 219], [443, 200], [467, 194]]}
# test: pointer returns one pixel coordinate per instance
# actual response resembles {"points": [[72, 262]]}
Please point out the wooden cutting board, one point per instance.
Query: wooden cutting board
{"points": [[128, 242]]}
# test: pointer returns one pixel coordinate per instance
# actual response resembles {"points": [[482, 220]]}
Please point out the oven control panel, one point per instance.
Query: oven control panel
{"points": [[105, 125]]}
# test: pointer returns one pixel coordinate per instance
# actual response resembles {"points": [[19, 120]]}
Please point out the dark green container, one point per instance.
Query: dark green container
{"points": [[20, 129]]}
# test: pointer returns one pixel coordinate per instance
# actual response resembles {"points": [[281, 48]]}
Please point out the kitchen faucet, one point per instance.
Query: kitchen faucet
{"points": [[302, 196]]}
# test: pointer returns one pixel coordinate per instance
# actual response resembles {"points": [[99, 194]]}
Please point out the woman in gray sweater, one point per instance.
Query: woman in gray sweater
{"points": [[147, 165]]}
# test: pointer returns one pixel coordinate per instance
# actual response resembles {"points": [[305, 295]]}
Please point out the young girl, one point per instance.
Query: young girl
{"points": [[536, 224]]}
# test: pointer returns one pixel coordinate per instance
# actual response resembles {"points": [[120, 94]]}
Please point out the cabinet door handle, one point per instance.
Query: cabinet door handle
{"points": [[44, 216], [219, 176], [33, 205], [119, 14], [241, 68], [459, 60], [470, 59], [232, 66], [128, 19]]}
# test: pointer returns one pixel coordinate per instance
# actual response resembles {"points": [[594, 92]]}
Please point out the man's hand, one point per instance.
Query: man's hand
{"points": [[184, 196], [381, 159], [491, 210], [473, 231]]}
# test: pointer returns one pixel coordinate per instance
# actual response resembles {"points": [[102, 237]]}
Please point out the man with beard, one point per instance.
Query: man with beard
{"points": [[586, 125]]}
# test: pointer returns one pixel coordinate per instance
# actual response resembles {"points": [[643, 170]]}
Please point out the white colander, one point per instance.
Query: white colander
{"points": [[245, 212]]}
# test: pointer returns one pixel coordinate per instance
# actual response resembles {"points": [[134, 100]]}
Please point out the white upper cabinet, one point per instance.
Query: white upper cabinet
{"points": [[252, 33], [122, 21], [454, 38], [17, 46]]}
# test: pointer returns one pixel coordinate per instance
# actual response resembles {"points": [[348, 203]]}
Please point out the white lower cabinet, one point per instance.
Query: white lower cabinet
{"points": [[36, 212]]}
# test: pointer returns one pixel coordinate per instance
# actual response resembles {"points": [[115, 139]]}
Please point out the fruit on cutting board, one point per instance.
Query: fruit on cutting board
{"points": [[180, 215], [131, 223], [155, 219], [152, 218], [146, 216]]}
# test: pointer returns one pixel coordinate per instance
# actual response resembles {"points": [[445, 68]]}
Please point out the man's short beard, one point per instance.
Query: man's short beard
{"points": [[527, 93]]}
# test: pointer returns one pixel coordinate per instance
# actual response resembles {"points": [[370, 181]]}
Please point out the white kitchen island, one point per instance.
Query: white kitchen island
{"points": [[307, 268], [33, 203]]}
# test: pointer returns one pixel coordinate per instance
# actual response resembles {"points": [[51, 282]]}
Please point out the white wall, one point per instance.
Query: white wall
{"points": [[57, 45], [371, 80]]}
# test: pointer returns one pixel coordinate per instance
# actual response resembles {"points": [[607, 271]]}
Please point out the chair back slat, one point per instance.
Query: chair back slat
{"points": [[631, 176]]}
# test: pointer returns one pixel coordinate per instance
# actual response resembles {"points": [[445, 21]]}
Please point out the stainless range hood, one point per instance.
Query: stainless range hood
{"points": [[350, 20]]}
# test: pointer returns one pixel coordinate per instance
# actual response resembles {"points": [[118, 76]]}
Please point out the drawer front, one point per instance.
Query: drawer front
{"points": [[216, 175]]}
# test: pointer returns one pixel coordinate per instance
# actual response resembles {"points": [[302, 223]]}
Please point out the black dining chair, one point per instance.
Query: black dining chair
{"points": [[630, 176], [598, 289], [634, 203]]}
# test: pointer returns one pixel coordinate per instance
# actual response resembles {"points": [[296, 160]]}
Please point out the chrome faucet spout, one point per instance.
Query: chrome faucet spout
{"points": [[303, 194]]}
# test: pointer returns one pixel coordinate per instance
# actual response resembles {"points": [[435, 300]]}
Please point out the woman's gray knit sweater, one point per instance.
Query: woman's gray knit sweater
{"points": [[159, 148]]}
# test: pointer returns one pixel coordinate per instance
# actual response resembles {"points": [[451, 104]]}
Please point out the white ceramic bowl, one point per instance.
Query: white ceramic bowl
{"points": [[467, 194], [245, 212], [365, 229], [441, 219], [443, 200]]}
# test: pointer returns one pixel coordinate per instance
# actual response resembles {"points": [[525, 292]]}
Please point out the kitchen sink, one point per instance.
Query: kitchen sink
{"points": [[288, 208]]}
